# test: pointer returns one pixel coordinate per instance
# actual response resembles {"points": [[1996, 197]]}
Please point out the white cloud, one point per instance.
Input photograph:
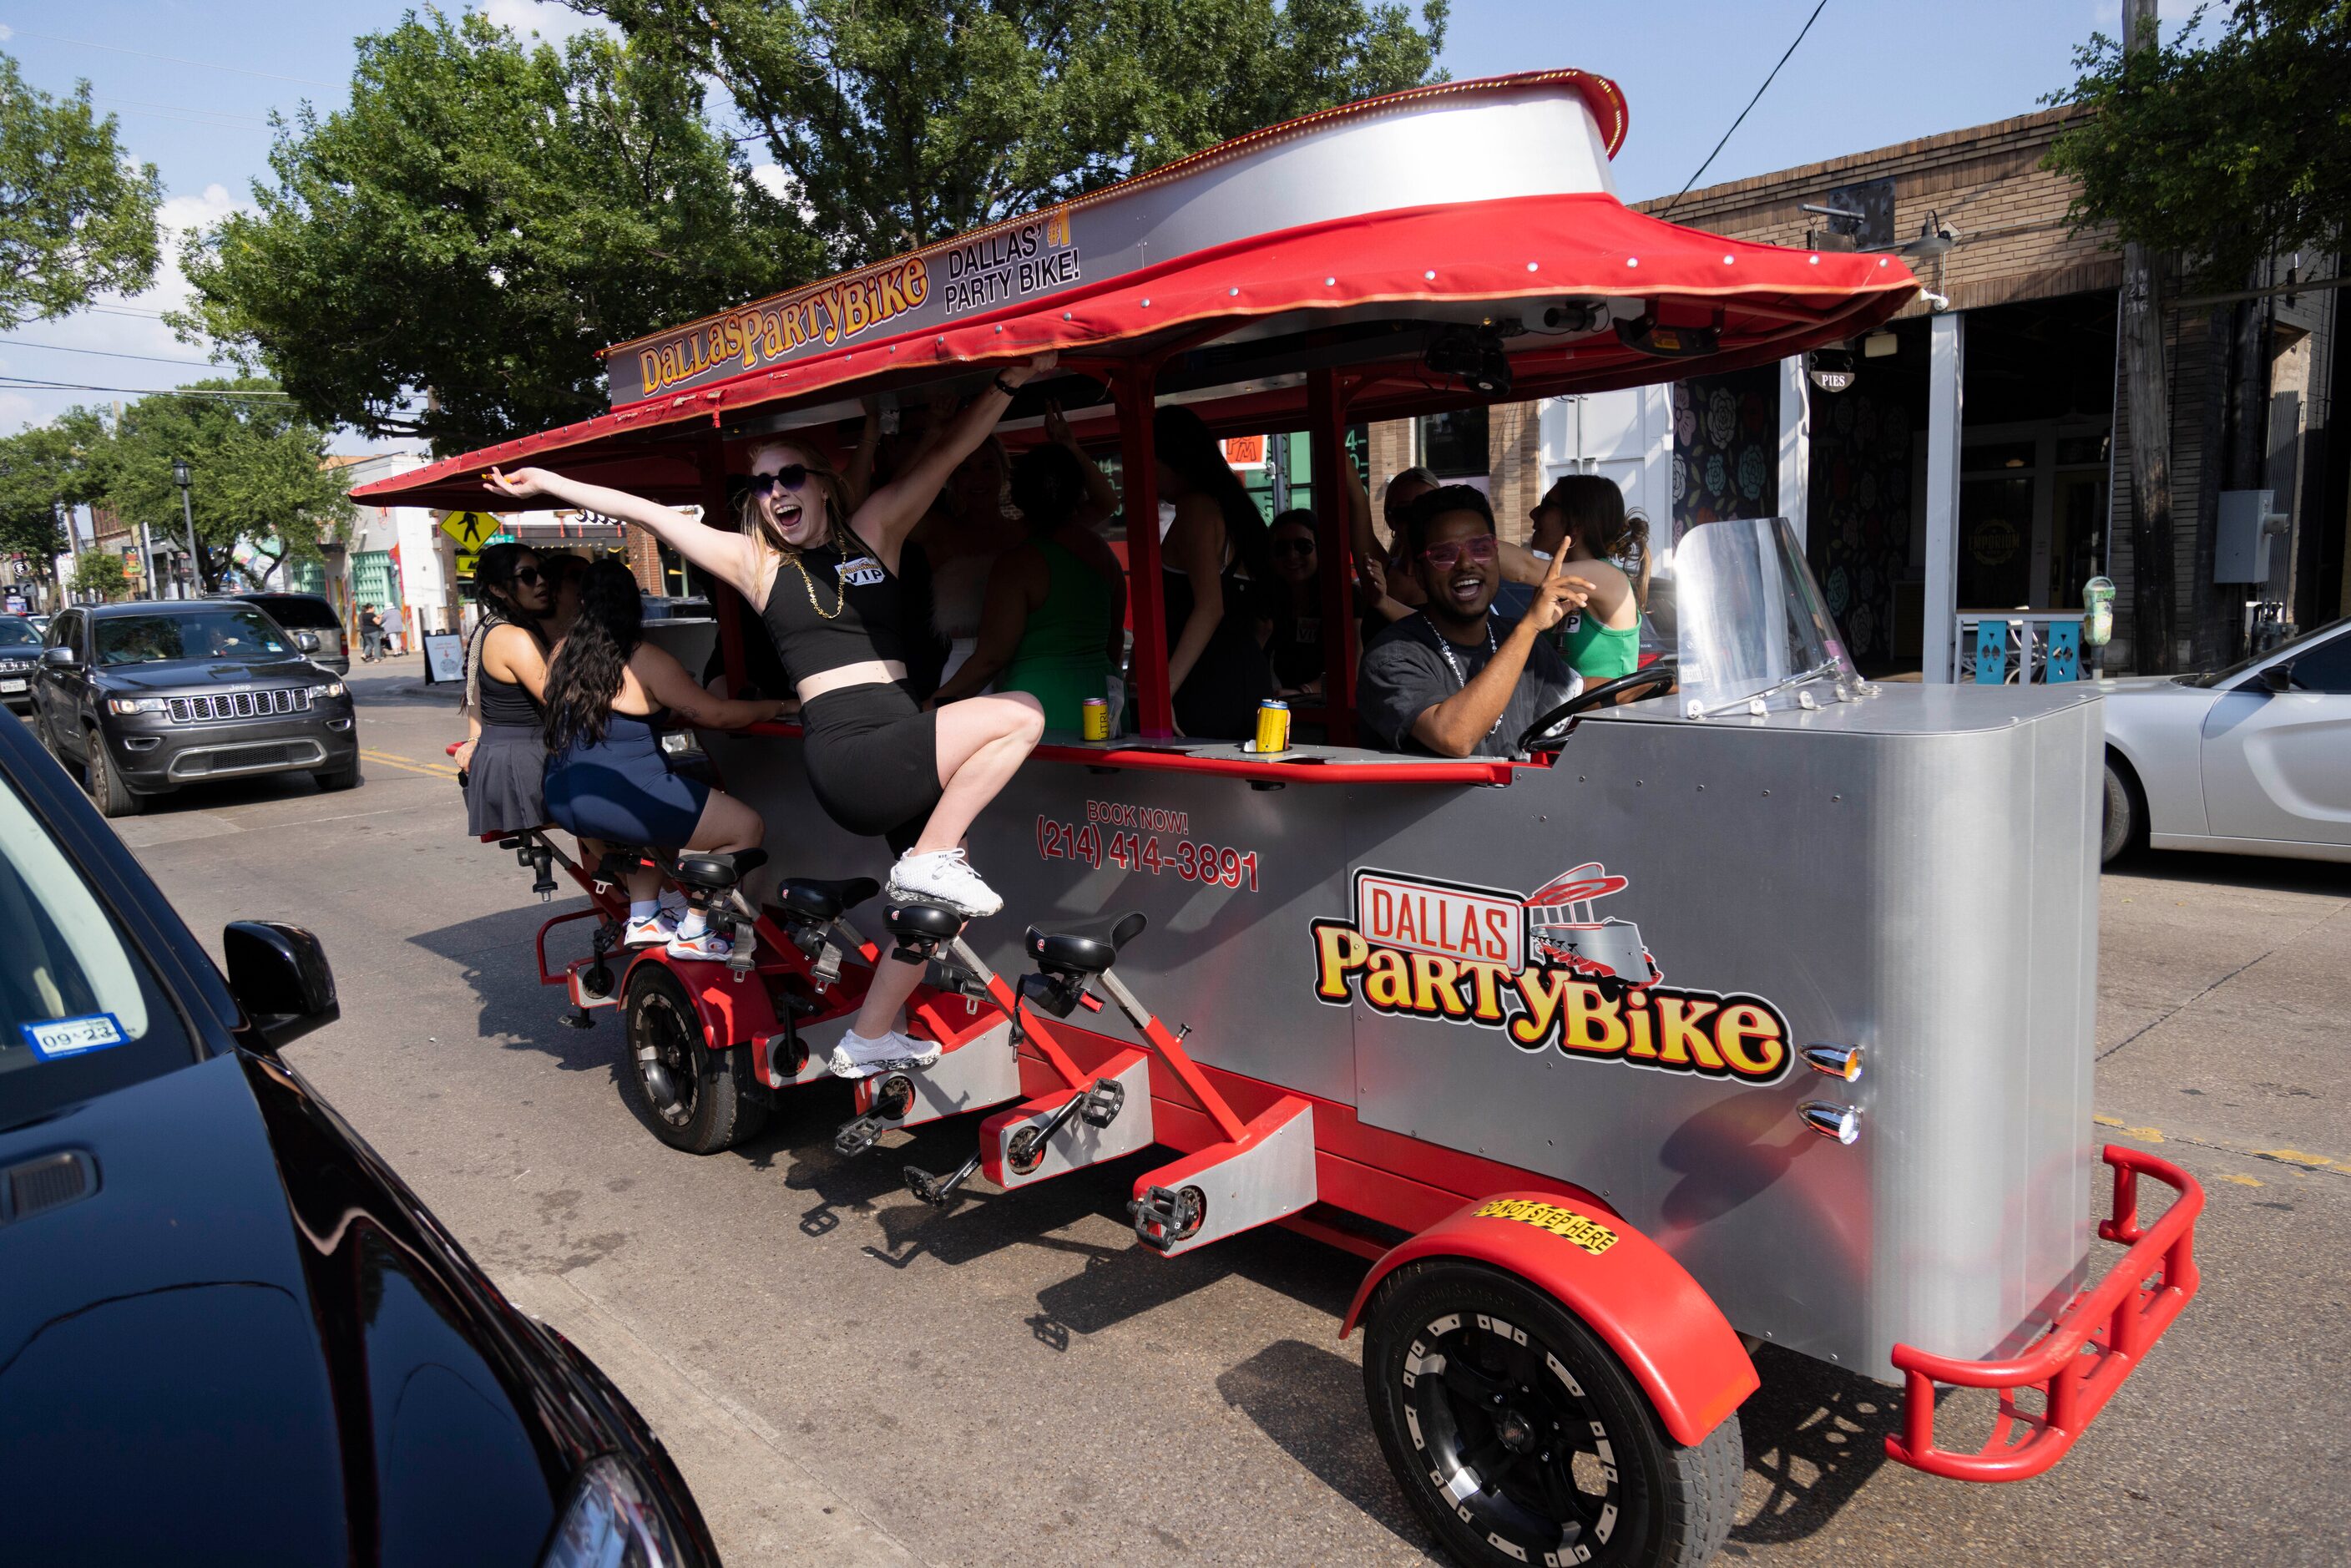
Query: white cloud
{"points": [[554, 22]]}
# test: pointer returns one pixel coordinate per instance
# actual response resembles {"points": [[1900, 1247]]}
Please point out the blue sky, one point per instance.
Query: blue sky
{"points": [[193, 83]]}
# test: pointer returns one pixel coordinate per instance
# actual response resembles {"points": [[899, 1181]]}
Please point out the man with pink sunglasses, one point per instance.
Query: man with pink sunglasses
{"points": [[1455, 679]]}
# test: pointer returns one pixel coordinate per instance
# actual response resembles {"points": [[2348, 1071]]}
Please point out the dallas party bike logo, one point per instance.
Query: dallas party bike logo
{"points": [[1543, 968]]}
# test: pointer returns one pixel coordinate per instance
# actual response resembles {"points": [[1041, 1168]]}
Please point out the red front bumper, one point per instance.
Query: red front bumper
{"points": [[2095, 1343]]}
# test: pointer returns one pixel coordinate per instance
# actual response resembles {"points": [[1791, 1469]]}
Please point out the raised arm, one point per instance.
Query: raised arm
{"points": [[666, 682], [890, 514], [1101, 496], [723, 553], [1455, 726], [1017, 583]]}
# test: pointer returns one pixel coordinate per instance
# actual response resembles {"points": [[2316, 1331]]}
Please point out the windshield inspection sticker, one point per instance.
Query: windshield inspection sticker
{"points": [[73, 1036]]}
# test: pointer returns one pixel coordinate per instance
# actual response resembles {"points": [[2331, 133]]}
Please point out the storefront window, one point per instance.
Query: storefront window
{"points": [[1453, 445]]}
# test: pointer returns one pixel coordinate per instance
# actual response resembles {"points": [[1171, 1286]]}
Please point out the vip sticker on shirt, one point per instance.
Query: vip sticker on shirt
{"points": [[863, 572], [55, 1038], [1573, 624]]}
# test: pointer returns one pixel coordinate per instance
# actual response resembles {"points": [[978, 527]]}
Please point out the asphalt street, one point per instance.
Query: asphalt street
{"points": [[847, 1377]]}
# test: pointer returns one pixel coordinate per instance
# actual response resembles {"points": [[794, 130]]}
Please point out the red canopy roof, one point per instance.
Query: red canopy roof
{"points": [[1428, 264]]}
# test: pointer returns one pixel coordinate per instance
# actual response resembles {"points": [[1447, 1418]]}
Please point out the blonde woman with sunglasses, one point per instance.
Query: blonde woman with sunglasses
{"points": [[824, 578]]}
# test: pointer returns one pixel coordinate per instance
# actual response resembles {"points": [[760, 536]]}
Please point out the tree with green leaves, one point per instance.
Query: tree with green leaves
{"points": [[100, 572], [900, 122], [46, 467], [2226, 147], [256, 467], [77, 218], [447, 254]]}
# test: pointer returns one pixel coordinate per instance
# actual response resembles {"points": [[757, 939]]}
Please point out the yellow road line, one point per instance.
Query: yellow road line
{"points": [[388, 760]]}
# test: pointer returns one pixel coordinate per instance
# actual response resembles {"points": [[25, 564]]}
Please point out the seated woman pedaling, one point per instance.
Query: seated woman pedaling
{"points": [[608, 691], [823, 577]]}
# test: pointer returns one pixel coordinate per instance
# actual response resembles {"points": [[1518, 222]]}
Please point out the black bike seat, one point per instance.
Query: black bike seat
{"points": [[1085, 949], [713, 870], [813, 898], [928, 921]]}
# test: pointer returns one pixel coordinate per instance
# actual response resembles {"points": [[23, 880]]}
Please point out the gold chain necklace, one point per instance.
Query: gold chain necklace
{"points": [[839, 592]]}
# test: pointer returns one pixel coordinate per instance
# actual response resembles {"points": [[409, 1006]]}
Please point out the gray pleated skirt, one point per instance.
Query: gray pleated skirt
{"points": [[505, 788]]}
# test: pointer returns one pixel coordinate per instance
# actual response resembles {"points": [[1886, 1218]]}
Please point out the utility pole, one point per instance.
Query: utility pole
{"points": [[184, 477], [2153, 587]]}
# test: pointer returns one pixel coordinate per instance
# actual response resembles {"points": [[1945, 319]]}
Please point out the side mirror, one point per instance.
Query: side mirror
{"points": [[307, 640], [2279, 677], [59, 658], [280, 975]]}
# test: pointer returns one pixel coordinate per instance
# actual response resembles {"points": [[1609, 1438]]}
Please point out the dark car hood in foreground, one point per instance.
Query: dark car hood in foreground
{"points": [[209, 1360], [203, 674]]}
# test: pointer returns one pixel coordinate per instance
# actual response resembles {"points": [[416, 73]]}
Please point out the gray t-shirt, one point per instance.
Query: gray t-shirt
{"points": [[1405, 672]]}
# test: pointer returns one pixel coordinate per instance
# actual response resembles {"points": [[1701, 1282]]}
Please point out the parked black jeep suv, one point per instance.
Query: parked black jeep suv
{"points": [[149, 696]]}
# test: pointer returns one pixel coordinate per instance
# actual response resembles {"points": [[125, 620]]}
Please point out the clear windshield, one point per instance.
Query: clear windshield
{"points": [[1753, 624], [2283, 649], [241, 632], [15, 632]]}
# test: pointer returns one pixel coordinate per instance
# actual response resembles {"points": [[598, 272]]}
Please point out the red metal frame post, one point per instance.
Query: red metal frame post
{"points": [[1326, 422], [1154, 706]]}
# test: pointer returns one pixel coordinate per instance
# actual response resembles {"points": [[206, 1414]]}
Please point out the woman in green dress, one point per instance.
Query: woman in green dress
{"points": [[1584, 516], [1054, 623]]}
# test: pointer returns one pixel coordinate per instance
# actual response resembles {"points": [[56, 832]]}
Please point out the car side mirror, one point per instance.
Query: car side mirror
{"points": [[59, 658], [280, 975], [307, 640], [2279, 677]]}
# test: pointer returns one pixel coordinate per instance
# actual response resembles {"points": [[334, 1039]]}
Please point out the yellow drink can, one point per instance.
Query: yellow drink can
{"points": [[1272, 725], [1094, 719]]}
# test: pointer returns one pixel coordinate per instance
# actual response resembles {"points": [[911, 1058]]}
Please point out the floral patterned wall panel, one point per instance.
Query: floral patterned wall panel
{"points": [[1859, 513], [1726, 447]]}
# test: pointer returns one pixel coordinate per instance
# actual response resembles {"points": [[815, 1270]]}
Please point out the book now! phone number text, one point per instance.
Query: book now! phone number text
{"points": [[1213, 864]]}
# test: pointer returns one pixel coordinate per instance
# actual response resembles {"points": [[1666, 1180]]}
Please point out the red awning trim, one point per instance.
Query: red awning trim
{"points": [[1773, 302]]}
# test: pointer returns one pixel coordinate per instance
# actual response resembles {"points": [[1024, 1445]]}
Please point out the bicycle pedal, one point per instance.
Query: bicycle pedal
{"points": [[860, 1133], [1105, 1100], [1165, 1215], [578, 1018]]}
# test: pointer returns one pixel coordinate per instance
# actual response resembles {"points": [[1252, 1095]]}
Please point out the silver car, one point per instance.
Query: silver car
{"points": [[2253, 760]]}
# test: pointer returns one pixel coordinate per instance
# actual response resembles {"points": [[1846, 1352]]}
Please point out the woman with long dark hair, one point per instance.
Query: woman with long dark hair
{"points": [[1214, 561], [822, 576], [506, 672], [608, 693], [1583, 520]]}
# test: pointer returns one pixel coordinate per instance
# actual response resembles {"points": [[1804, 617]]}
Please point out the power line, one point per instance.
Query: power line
{"points": [[102, 353], [34, 384], [1744, 112], [175, 59]]}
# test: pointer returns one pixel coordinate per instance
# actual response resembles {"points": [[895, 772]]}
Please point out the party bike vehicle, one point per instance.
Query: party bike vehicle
{"points": [[1594, 1162]]}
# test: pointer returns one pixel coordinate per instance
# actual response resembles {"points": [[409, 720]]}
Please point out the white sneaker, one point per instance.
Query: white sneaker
{"points": [[705, 946], [650, 933], [857, 1056], [942, 876]]}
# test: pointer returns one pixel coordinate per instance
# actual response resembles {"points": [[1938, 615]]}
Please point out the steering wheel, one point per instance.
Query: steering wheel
{"points": [[1659, 676]]}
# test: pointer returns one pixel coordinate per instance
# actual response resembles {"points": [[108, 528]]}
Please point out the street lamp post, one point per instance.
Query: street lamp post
{"points": [[184, 477]]}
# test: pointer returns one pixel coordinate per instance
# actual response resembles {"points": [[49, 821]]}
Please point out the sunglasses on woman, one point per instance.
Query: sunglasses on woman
{"points": [[1293, 546], [1480, 548], [530, 574], [791, 476]]}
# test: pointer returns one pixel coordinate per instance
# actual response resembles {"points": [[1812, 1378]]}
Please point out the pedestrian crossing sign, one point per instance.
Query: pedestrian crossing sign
{"points": [[473, 532]]}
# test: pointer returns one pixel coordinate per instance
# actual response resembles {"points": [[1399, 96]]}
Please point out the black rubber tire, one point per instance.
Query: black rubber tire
{"points": [[1660, 1505], [112, 797], [2124, 823], [717, 1100], [333, 778]]}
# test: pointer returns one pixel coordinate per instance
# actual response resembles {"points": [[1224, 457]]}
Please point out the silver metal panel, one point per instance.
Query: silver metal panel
{"points": [[1080, 1144], [1256, 1184], [1914, 872], [981, 1071]]}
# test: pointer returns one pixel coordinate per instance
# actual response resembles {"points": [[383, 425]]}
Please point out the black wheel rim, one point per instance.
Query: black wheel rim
{"points": [[666, 1047], [1511, 1441]]}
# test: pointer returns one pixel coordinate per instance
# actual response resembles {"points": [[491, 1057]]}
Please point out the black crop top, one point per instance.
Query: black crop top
{"points": [[800, 617]]}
